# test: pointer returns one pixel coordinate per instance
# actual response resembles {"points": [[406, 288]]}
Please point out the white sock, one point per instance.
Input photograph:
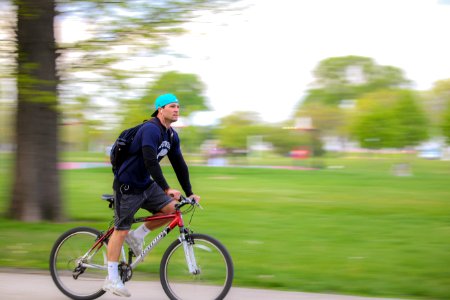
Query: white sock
{"points": [[141, 232], [113, 270]]}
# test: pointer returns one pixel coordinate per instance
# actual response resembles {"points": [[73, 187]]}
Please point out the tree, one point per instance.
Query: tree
{"points": [[411, 120], [347, 77], [341, 80], [142, 26], [36, 185], [114, 60], [389, 119], [234, 130], [445, 125], [329, 119], [194, 137], [436, 102], [288, 139], [188, 88]]}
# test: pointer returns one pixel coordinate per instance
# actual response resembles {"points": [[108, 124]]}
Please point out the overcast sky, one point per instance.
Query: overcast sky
{"points": [[261, 58]]}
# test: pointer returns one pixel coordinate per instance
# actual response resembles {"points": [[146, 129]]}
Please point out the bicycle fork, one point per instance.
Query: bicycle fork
{"points": [[188, 247]]}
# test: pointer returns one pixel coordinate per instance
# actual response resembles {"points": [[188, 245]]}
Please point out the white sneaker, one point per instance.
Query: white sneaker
{"points": [[136, 245], [116, 287]]}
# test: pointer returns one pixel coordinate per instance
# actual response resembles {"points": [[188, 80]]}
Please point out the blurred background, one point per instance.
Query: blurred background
{"points": [[339, 88]]}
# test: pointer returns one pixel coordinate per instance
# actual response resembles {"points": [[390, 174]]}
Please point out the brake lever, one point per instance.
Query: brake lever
{"points": [[195, 202]]}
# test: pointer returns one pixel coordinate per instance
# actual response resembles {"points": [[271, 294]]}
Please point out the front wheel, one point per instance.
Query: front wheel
{"points": [[214, 269], [77, 268]]}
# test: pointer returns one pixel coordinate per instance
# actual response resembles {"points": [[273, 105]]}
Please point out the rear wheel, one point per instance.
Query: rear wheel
{"points": [[214, 274], [76, 272]]}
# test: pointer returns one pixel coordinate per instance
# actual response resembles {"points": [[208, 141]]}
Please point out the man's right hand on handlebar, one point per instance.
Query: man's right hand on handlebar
{"points": [[195, 197], [176, 195]]}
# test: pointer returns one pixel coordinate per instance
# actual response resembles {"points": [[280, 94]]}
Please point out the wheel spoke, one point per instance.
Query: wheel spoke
{"points": [[76, 274], [214, 265]]}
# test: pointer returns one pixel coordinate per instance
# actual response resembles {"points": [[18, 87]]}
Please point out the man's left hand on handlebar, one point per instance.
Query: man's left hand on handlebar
{"points": [[175, 194]]}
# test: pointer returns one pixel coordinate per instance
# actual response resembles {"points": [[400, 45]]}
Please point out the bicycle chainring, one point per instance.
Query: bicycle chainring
{"points": [[125, 271]]}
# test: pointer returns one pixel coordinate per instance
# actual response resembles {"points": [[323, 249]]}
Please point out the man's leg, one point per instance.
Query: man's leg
{"points": [[156, 200], [168, 209], [115, 244], [113, 283], [135, 238], [118, 236]]}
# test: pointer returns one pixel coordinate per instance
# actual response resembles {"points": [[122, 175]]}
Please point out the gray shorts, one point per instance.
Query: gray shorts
{"points": [[152, 199]]}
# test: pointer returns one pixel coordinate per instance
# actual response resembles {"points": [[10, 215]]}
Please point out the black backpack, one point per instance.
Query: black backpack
{"points": [[120, 149]]}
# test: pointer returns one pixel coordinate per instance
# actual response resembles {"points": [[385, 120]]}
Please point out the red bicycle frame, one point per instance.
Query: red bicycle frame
{"points": [[176, 216], [177, 220]]}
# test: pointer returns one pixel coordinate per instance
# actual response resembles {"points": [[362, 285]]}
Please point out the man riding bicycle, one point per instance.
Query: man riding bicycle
{"points": [[140, 183]]}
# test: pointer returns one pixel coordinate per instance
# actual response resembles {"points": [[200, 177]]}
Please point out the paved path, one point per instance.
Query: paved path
{"points": [[14, 286]]}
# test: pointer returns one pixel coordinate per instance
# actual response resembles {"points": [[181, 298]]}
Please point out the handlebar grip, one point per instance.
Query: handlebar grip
{"points": [[185, 200]]}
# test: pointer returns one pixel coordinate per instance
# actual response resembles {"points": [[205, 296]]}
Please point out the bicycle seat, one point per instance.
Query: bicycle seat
{"points": [[108, 197]]}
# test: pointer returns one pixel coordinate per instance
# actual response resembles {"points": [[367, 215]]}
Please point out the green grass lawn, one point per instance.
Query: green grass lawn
{"points": [[352, 228]]}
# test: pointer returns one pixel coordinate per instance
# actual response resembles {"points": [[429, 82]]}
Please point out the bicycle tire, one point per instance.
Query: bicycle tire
{"points": [[216, 270], [68, 248]]}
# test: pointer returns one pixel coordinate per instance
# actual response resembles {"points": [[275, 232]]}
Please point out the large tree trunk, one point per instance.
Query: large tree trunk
{"points": [[36, 194]]}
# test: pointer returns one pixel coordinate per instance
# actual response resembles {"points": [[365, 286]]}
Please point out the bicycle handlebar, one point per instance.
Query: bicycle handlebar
{"points": [[184, 201]]}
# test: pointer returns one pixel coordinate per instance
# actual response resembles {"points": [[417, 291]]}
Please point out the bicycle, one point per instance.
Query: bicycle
{"points": [[193, 265]]}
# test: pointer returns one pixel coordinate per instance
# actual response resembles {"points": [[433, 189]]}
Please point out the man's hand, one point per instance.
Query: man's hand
{"points": [[175, 194], [195, 197]]}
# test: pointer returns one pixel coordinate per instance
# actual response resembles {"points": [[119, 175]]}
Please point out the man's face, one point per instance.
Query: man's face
{"points": [[170, 112]]}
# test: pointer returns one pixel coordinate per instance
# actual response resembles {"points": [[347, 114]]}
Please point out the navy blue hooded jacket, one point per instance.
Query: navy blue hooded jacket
{"points": [[152, 143]]}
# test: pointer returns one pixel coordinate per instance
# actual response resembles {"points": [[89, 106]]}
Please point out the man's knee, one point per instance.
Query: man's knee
{"points": [[120, 233], [169, 208]]}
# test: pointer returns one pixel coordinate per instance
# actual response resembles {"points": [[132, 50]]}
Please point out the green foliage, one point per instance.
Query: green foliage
{"points": [[119, 46], [142, 26], [446, 123], [348, 77], [286, 140], [437, 102], [188, 88], [329, 119], [411, 120], [7, 110], [236, 136], [234, 130], [78, 130], [192, 137], [353, 72], [330, 95], [332, 71], [389, 119], [345, 78]]}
